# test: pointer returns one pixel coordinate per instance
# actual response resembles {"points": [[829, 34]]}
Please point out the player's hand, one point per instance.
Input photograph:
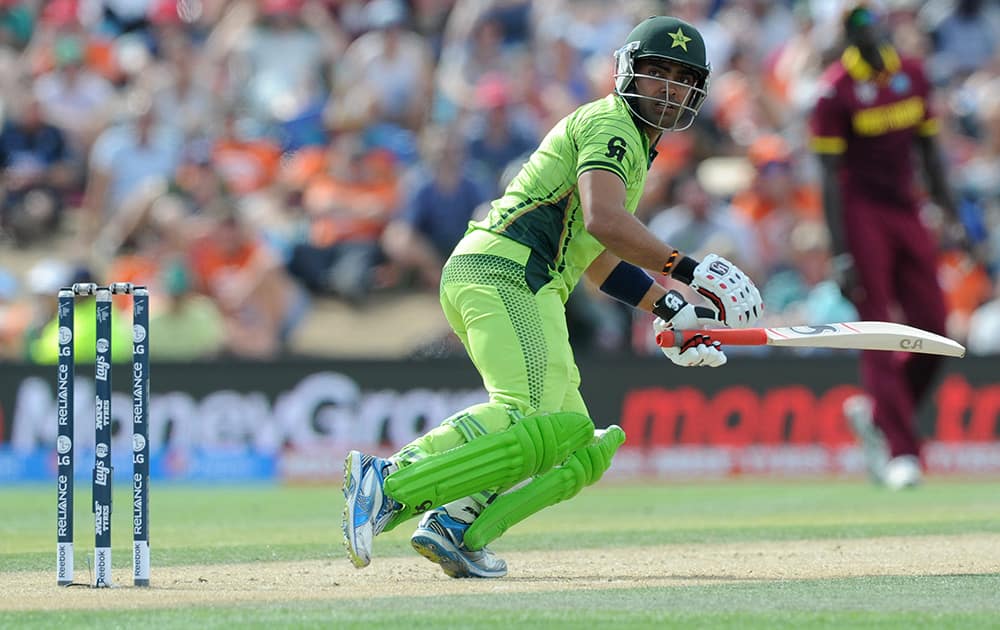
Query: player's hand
{"points": [[700, 350], [674, 313], [845, 274], [733, 295]]}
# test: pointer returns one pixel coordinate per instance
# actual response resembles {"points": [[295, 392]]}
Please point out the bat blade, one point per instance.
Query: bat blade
{"points": [[848, 335]]}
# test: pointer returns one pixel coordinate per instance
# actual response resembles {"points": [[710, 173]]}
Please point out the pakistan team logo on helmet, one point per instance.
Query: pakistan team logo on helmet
{"points": [[674, 40]]}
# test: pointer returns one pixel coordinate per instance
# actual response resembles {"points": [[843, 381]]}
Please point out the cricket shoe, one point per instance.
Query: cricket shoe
{"points": [[902, 471], [858, 411], [367, 508], [439, 538]]}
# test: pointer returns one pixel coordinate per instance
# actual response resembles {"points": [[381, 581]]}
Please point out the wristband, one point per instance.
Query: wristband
{"points": [[627, 283], [668, 266], [679, 267]]}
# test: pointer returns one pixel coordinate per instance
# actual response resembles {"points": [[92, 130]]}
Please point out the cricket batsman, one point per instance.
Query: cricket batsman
{"points": [[568, 213]]}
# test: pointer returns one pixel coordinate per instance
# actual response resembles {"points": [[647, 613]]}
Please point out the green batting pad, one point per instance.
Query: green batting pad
{"points": [[497, 460], [583, 468]]}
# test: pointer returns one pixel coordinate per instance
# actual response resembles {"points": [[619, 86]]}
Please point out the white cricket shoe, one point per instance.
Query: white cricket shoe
{"points": [[440, 539], [902, 472], [858, 411], [367, 509]]}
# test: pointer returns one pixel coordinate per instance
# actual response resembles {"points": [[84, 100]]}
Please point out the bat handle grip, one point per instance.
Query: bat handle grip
{"points": [[726, 336], [670, 338]]}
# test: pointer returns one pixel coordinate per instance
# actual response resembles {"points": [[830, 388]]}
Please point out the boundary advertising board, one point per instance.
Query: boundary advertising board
{"points": [[293, 420]]}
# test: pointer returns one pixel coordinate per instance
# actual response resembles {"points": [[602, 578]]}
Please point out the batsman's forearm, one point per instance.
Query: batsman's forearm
{"points": [[626, 237]]}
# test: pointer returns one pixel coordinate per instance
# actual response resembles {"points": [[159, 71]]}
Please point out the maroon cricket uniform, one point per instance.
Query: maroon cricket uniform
{"points": [[872, 119]]}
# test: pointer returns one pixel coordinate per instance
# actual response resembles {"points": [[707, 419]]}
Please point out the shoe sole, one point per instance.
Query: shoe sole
{"points": [[351, 463], [430, 546]]}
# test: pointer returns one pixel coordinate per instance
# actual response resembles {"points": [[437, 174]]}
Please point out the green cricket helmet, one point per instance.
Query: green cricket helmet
{"points": [[675, 40]]}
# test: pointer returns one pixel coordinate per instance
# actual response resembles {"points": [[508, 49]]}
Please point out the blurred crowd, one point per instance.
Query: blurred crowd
{"points": [[246, 158]]}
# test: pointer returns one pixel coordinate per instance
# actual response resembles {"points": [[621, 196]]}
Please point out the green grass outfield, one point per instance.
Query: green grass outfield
{"points": [[263, 540]]}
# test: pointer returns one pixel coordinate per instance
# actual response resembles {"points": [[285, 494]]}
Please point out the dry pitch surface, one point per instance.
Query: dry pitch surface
{"points": [[590, 569]]}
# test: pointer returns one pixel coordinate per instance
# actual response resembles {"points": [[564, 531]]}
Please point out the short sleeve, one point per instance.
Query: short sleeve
{"points": [[828, 123], [930, 125], [608, 144]]}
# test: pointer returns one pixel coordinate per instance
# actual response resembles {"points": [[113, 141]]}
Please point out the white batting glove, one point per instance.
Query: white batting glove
{"points": [[674, 313], [734, 296], [700, 350]]}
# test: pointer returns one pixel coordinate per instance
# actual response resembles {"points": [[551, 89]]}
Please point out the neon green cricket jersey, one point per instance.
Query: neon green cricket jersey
{"points": [[541, 207]]}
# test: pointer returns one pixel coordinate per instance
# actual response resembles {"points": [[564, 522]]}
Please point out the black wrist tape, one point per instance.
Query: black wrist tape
{"points": [[669, 305], [684, 270]]}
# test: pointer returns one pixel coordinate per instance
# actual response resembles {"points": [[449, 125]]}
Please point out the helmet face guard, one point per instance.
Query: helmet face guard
{"points": [[674, 116]]}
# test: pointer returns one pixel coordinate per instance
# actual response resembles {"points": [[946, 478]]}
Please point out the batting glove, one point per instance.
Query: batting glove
{"points": [[699, 351], [674, 313], [733, 295]]}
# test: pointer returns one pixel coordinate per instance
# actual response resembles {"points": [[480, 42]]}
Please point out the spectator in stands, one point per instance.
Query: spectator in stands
{"points": [[73, 96], [742, 105], [558, 71], [37, 172], [385, 76], [804, 294], [180, 87], [464, 62], [965, 38], [159, 220], [348, 201], [760, 27], [792, 70], [125, 158], [500, 131], [261, 304], [293, 73], [280, 62], [776, 200], [441, 197], [188, 325], [245, 157]]}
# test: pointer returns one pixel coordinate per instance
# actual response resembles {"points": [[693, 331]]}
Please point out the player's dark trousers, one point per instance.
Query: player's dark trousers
{"points": [[896, 259]]}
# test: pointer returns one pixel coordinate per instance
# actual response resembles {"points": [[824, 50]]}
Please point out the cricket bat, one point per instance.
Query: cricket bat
{"points": [[849, 335]]}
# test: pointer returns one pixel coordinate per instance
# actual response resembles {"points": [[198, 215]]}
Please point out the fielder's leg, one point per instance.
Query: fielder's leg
{"points": [[923, 304], [873, 244]]}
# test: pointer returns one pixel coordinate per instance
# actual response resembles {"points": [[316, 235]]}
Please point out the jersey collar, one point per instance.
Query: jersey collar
{"points": [[649, 149], [861, 70]]}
